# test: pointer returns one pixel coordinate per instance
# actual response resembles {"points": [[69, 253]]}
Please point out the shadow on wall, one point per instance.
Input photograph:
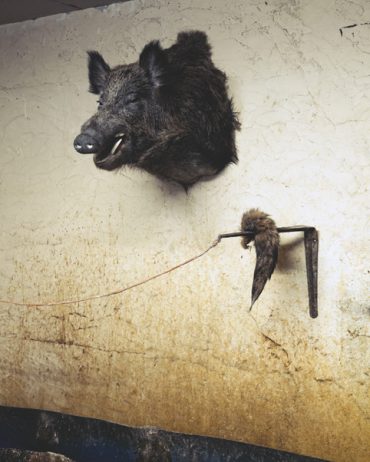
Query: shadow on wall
{"points": [[288, 256]]}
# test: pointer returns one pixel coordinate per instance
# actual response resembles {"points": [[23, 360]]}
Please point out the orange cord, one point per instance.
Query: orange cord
{"points": [[118, 291]]}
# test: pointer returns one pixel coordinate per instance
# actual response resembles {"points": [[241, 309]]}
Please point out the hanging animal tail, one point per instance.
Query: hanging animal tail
{"points": [[266, 241]]}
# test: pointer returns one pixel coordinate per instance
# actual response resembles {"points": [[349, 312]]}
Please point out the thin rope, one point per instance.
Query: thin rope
{"points": [[118, 291]]}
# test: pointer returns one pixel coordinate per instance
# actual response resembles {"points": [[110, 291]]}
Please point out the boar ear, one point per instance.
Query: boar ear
{"points": [[98, 72], [154, 62]]}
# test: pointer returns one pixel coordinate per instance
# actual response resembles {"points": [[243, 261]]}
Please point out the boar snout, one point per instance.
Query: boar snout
{"points": [[85, 143]]}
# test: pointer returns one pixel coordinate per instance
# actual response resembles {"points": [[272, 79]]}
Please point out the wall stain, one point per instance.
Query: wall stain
{"points": [[183, 352]]}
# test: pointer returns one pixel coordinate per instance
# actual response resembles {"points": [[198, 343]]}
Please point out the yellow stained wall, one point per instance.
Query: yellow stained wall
{"points": [[183, 352]]}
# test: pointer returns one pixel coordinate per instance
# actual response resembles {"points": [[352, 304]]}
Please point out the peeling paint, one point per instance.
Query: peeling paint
{"points": [[183, 352]]}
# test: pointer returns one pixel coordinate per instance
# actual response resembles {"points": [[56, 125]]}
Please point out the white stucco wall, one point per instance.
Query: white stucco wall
{"points": [[183, 352]]}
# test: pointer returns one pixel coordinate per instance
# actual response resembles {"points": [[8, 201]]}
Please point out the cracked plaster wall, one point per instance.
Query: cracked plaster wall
{"points": [[183, 352]]}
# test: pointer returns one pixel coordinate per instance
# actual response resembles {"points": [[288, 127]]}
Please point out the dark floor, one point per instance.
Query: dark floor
{"points": [[90, 440]]}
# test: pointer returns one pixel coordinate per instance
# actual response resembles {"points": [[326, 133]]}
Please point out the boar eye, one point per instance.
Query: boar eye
{"points": [[132, 98]]}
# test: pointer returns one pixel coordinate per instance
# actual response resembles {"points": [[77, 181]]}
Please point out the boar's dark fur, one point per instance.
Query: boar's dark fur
{"points": [[168, 113]]}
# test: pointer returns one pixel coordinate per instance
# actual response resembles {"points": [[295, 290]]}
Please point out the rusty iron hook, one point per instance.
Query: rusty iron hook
{"points": [[311, 245]]}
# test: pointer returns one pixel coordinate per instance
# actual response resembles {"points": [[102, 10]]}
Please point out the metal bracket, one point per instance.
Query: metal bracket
{"points": [[311, 245]]}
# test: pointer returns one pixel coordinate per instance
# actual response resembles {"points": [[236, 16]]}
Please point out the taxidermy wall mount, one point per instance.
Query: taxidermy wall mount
{"points": [[169, 113], [257, 226]]}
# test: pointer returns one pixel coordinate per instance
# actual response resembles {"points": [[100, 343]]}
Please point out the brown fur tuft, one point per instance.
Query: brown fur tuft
{"points": [[266, 240]]}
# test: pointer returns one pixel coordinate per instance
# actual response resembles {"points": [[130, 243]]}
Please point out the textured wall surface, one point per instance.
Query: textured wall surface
{"points": [[183, 352]]}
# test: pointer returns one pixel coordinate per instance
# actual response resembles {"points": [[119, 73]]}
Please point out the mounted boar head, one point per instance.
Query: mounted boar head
{"points": [[169, 113]]}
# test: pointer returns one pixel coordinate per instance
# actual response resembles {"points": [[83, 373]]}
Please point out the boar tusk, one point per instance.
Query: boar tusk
{"points": [[116, 146]]}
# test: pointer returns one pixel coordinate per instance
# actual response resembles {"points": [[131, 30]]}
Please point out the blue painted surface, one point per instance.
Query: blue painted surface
{"points": [[91, 440]]}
